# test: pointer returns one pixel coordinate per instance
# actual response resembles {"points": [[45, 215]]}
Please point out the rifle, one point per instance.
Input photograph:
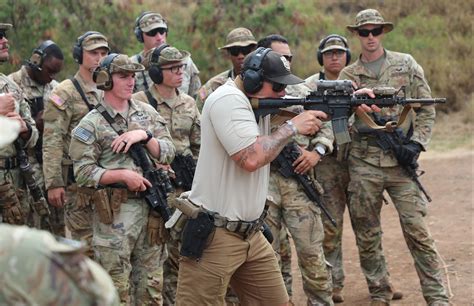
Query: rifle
{"points": [[284, 162], [39, 202], [37, 108], [184, 167], [155, 196], [336, 99]]}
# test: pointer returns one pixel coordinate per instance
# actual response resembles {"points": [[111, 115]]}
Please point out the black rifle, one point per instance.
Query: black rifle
{"points": [[155, 196], [39, 202], [37, 106], [336, 99], [390, 141], [284, 162], [184, 167]]}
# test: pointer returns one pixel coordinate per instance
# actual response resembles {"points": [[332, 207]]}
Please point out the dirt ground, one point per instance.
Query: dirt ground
{"points": [[449, 180]]}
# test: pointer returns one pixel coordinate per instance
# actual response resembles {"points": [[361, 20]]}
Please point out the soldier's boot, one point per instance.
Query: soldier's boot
{"points": [[378, 303], [439, 303], [397, 295], [337, 296]]}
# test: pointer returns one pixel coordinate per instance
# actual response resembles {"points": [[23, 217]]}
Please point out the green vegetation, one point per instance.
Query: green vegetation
{"points": [[438, 33]]}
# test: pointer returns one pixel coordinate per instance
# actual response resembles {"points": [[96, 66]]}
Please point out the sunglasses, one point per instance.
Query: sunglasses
{"points": [[175, 68], [235, 51], [277, 87], [288, 57], [331, 53], [3, 35], [155, 31], [366, 33]]}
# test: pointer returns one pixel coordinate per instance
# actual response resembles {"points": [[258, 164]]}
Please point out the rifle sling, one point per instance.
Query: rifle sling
{"points": [[81, 92], [390, 126], [115, 126], [150, 98]]}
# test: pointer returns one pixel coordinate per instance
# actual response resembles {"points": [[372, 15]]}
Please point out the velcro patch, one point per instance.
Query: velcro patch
{"points": [[57, 100], [83, 134], [203, 93]]}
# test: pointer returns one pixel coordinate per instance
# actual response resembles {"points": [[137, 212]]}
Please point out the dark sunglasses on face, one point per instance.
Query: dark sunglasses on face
{"points": [[2, 35], [235, 51], [366, 33], [157, 30], [277, 87]]}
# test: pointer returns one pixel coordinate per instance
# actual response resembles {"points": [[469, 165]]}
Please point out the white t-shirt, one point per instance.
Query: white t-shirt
{"points": [[228, 125]]}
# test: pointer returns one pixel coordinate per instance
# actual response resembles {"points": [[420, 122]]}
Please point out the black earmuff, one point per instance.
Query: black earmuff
{"points": [[77, 50], [102, 76], [138, 32], [252, 73], [38, 55], [154, 71], [323, 41]]}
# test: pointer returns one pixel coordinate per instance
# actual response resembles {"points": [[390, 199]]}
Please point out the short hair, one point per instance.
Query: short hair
{"points": [[53, 51], [267, 41]]}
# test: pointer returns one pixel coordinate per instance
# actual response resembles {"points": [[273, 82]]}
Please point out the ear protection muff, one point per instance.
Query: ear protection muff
{"points": [[138, 32], [77, 50], [155, 72], [323, 41], [252, 73], [38, 55], [102, 76]]}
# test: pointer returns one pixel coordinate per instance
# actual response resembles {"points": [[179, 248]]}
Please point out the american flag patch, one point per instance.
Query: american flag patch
{"points": [[57, 100], [82, 134]]}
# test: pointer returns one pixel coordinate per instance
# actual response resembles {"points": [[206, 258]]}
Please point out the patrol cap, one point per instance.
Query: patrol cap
{"points": [[333, 43], [169, 55], [239, 37], [95, 41], [152, 21], [276, 68], [370, 16], [122, 63], [5, 26]]}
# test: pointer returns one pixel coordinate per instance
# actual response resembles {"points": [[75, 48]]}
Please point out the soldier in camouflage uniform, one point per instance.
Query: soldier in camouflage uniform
{"points": [[151, 29], [63, 111], [372, 170], [36, 80], [290, 205], [128, 236], [14, 204], [239, 43], [48, 272], [183, 121]]}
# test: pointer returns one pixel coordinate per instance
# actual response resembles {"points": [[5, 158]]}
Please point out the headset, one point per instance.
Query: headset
{"points": [[38, 55], [77, 50], [137, 30], [252, 73], [155, 72], [102, 75], [323, 41]]}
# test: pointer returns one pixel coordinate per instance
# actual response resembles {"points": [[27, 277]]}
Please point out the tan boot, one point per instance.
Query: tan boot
{"points": [[397, 295], [337, 296]]}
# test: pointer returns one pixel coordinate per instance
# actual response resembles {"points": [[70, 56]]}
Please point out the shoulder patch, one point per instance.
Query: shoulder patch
{"points": [[57, 101], [82, 134], [203, 93]]}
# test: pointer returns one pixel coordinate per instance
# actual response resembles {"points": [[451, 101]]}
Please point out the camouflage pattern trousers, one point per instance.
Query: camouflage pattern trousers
{"points": [[365, 195], [14, 202], [334, 178], [124, 251], [291, 206]]}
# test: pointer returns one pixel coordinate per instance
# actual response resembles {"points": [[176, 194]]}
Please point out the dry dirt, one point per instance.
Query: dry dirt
{"points": [[449, 180]]}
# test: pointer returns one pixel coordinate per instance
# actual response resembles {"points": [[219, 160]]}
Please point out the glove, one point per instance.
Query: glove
{"points": [[407, 154]]}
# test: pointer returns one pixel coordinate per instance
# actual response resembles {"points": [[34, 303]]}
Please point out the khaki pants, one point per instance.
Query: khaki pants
{"points": [[250, 266]]}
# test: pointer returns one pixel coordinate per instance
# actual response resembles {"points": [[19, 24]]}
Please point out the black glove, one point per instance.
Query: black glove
{"points": [[407, 154]]}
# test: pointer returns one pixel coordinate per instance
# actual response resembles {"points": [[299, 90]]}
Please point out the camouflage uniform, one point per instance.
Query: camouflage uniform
{"points": [[333, 174], [13, 191], [184, 123], [372, 171], [63, 111], [38, 270], [122, 248], [32, 90], [291, 206]]}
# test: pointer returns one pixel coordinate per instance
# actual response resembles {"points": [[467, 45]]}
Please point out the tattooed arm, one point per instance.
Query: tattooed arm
{"points": [[266, 148]]}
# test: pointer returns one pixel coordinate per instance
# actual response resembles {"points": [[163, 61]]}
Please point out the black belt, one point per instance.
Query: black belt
{"points": [[8, 163]]}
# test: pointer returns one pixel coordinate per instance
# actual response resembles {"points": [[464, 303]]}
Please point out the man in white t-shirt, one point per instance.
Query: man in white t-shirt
{"points": [[231, 184]]}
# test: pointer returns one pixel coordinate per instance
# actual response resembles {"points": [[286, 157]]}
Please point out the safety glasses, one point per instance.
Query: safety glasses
{"points": [[235, 51], [366, 33], [3, 35], [155, 31], [277, 87]]}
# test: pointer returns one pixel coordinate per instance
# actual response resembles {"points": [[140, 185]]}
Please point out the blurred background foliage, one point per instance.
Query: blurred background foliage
{"points": [[438, 33]]}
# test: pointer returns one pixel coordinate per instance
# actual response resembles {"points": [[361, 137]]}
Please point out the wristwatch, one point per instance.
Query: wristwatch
{"points": [[149, 136], [320, 149]]}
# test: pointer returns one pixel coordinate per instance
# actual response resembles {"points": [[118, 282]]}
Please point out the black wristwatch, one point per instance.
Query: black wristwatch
{"points": [[148, 137]]}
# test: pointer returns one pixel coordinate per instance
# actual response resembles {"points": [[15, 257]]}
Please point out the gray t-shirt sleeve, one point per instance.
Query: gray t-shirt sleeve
{"points": [[234, 123]]}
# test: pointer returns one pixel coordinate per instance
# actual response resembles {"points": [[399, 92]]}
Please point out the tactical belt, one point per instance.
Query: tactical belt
{"points": [[8, 163], [370, 139], [243, 228]]}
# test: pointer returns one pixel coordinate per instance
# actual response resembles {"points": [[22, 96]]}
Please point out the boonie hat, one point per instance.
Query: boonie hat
{"points": [[122, 63], [333, 43], [168, 55], [5, 26], [239, 37], [95, 41], [152, 21], [370, 16]]}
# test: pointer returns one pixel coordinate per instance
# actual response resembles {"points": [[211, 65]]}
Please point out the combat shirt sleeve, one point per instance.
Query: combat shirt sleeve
{"points": [[195, 135], [234, 123], [162, 135], [25, 114], [325, 136]]}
